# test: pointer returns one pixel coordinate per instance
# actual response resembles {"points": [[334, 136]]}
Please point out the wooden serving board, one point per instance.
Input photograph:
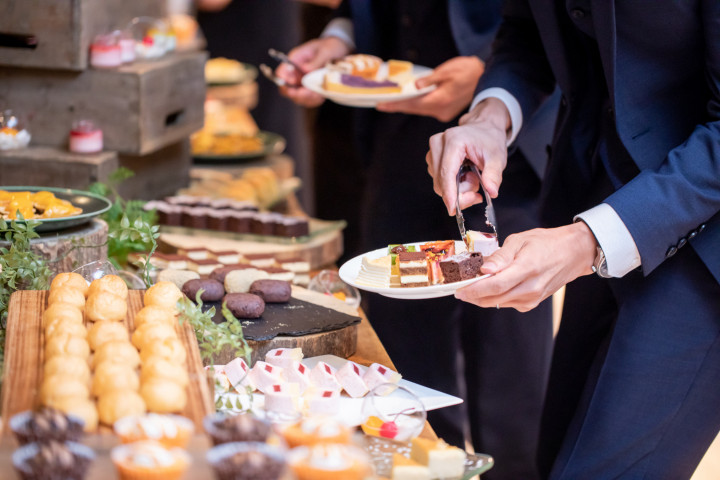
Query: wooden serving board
{"points": [[24, 347]]}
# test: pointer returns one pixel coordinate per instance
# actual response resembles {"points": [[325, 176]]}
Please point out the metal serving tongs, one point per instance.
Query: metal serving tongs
{"points": [[490, 220], [270, 74]]}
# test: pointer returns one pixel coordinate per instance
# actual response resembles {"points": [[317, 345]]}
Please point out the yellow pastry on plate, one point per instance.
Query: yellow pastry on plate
{"points": [[118, 351], [59, 385], [155, 314], [67, 294], [65, 344], [72, 366], [163, 396], [60, 310], [81, 407], [103, 332], [111, 284], [70, 279], [164, 294], [117, 404], [151, 333], [169, 348], [111, 376], [158, 367], [70, 327], [106, 307]]}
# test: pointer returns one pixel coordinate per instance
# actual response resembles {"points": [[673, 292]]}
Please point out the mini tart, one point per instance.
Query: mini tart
{"points": [[148, 460], [329, 462], [169, 430], [314, 431]]}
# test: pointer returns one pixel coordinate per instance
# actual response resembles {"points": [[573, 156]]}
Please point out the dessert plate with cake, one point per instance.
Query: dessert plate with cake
{"points": [[364, 81], [420, 270]]}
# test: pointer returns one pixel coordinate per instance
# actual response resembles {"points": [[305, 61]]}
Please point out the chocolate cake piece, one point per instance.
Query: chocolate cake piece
{"points": [[194, 217], [292, 227], [264, 223], [239, 222], [170, 215], [245, 305], [413, 269], [462, 266], [218, 219], [271, 291], [213, 290]]}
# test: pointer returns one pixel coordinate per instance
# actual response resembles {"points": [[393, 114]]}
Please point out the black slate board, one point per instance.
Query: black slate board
{"points": [[291, 319]]}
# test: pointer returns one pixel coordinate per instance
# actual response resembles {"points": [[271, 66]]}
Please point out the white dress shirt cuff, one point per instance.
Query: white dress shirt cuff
{"points": [[341, 28], [614, 238], [516, 117]]}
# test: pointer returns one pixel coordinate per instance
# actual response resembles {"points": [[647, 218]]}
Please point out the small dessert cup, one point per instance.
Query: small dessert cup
{"points": [[169, 430], [244, 427], [149, 460], [46, 425], [247, 461], [52, 461]]}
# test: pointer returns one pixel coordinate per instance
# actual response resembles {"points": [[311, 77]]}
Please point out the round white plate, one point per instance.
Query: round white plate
{"points": [[350, 270], [314, 81]]}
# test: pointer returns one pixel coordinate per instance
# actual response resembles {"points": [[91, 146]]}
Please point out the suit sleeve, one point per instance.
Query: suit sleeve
{"points": [[518, 63], [661, 206]]}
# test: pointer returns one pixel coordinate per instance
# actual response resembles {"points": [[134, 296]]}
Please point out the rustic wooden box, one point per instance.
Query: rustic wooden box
{"points": [[140, 107], [64, 29], [50, 167], [156, 175]]}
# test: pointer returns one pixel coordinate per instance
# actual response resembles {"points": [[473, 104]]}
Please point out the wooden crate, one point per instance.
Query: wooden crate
{"points": [[141, 108], [64, 29], [159, 174], [53, 167]]}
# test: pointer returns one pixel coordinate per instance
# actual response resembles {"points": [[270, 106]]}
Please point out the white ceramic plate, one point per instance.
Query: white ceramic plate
{"points": [[350, 270], [314, 81], [351, 408]]}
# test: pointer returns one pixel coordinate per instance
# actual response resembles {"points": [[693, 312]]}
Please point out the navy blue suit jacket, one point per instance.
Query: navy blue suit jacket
{"points": [[473, 24], [661, 61]]}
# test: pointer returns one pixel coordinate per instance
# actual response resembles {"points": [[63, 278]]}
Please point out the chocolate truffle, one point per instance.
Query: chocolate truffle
{"points": [[245, 305], [462, 266], [271, 291], [213, 290]]}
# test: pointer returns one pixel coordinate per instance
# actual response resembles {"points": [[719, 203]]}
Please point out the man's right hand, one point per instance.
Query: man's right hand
{"points": [[309, 56], [481, 138]]}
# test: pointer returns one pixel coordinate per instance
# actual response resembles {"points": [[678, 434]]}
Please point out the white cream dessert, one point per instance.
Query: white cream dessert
{"points": [[323, 377], [264, 375], [299, 374], [322, 402], [237, 372], [443, 460], [350, 377], [283, 398], [375, 273], [378, 374], [407, 469], [485, 243], [283, 357]]}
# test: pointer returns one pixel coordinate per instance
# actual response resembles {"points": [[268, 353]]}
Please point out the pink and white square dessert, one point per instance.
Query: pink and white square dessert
{"points": [[323, 377], [282, 398], [284, 357], [238, 372], [322, 402], [351, 378], [378, 374], [264, 375], [299, 374]]}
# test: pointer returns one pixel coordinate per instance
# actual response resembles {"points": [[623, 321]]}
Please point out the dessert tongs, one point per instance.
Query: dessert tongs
{"points": [[490, 220]]}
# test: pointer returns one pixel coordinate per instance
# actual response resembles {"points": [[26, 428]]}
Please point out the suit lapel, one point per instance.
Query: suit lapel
{"points": [[606, 35]]}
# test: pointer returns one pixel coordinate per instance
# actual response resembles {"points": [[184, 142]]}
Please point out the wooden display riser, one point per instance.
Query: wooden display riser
{"points": [[64, 29], [156, 175], [141, 107], [24, 357], [71, 248]]}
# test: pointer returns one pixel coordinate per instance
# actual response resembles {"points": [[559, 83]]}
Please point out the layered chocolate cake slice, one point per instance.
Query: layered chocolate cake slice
{"points": [[413, 268], [462, 266]]}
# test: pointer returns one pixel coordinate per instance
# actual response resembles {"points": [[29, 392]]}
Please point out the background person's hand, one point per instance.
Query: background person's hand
{"points": [[531, 266], [481, 138], [309, 56], [455, 82]]}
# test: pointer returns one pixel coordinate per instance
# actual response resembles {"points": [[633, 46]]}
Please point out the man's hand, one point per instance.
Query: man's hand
{"points": [[531, 266], [481, 138], [455, 81], [309, 56]]}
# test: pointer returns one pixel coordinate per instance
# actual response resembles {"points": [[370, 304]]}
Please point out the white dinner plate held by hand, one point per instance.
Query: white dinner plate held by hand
{"points": [[314, 81], [350, 270]]}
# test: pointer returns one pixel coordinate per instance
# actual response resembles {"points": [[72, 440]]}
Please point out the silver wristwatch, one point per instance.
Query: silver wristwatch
{"points": [[600, 264]]}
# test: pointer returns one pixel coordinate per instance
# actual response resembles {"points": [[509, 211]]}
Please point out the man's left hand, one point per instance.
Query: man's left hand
{"points": [[455, 80], [531, 266]]}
